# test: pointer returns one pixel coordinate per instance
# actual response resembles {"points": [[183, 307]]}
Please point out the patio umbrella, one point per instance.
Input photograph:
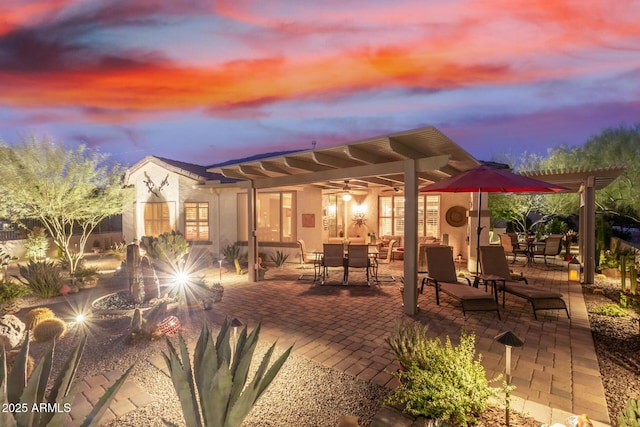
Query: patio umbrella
{"points": [[486, 179]]}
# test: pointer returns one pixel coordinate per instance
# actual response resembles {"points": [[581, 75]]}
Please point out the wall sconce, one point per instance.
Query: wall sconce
{"points": [[573, 270]]}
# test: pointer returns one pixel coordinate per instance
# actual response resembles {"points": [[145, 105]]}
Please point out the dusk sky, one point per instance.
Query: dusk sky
{"points": [[207, 81]]}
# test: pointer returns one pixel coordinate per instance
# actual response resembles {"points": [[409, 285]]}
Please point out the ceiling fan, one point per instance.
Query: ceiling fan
{"points": [[347, 191]]}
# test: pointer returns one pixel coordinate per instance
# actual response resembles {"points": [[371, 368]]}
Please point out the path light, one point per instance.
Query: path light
{"points": [[220, 270], [509, 339], [80, 318], [236, 324], [573, 270]]}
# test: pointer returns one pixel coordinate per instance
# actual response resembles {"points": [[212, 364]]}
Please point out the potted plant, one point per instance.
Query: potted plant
{"points": [[11, 294]]}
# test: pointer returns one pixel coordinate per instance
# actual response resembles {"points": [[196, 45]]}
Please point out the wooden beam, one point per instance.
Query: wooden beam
{"points": [[293, 162], [364, 156], [398, 147], [233, 173], [273, 167], [250, 170], [329, 160]]}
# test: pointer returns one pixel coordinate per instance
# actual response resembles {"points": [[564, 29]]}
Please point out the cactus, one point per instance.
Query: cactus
{"points": [[37, 315], [16, 387], [220, 376], [49, 329], [630, 415], [137, 321]]}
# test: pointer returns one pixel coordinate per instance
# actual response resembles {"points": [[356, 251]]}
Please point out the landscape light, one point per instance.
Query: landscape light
{"points": [[80, 318]]}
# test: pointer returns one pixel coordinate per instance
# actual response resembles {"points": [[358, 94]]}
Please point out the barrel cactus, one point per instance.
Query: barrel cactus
{"points": [[220, 376], [49, 329], [36, 316], [630, 415]]}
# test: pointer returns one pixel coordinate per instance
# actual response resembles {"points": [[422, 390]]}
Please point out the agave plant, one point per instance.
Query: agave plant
{"points": [[16, 389], [220, 376], [630, 415]]}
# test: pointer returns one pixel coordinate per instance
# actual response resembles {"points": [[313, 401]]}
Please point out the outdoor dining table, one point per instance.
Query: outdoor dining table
{"points": [[532, 245], [373, 256]]}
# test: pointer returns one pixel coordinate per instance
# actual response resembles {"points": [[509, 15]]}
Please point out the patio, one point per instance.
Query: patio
{"points": [[556, 371]]}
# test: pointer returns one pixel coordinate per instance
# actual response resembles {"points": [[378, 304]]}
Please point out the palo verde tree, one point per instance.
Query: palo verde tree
{"points": [[68, 190]]}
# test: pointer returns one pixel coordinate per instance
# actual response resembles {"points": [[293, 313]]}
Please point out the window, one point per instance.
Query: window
{"points": [[391, 215], [156, 218], [275, 214], [196, 216]]}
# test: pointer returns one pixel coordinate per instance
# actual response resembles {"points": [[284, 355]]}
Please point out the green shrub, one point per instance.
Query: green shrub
{"points": [[43, 278], [611, 310], [630, 415], [443, 381], [85, 273], [37, 244], [408, 341], [11, 291], [279, 258]]}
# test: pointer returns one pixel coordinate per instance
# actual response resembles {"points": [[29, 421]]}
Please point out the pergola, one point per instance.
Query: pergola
{"points": [[410, 159], [585, 182]]}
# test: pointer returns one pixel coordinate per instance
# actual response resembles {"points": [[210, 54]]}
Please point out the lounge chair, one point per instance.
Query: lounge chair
{"points": [[442, 275], [495, 268]]}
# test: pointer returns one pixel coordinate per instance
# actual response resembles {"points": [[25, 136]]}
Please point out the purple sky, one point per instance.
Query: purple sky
{"points": [[205, 82]]}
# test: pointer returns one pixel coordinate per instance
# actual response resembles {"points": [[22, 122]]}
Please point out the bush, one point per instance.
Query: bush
{"points": [[408, 341], [43, 278], [279, 258], [443, 381], [37, 244], [611, 310], [11, 291]]}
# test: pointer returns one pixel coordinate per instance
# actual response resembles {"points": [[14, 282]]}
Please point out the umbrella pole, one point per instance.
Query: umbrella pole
{"points": [[479, 230]]}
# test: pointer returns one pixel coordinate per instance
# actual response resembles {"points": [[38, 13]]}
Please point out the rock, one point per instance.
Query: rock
{"points": [[11, 331], [64, 289]]}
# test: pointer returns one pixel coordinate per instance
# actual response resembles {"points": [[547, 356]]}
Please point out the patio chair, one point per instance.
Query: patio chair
{"points": [[552, 247], [333, 256], [358, 257], [306, 259], [386, 261], [511, 245], [495, 268], [442, 275]]}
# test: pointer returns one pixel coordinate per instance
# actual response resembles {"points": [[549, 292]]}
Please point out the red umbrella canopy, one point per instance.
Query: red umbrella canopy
{"points": [[486, 179]]}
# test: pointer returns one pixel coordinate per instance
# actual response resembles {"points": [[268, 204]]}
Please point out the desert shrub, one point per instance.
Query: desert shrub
{"points": [[37, 244], [630, 415], [408, 341], [611, 310], [443, 381], [85, 273], [43, 278], [11, 291], [279, 258]]}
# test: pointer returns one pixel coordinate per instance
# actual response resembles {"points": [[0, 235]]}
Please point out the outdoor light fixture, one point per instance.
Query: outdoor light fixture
{"points": [[236, 324], [509, 339], [181, 278], [220, 263], [573, 270], [80, 318]]}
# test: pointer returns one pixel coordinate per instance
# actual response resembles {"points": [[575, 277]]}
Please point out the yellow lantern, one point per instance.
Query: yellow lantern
{"points": [[573, 270]]}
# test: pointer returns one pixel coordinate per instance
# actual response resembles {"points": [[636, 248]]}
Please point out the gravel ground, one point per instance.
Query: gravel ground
{"points": [[308, 394]]}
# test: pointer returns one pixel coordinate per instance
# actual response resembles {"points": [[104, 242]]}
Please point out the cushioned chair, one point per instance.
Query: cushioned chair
{"points": [[495, 268], [442, 275]]}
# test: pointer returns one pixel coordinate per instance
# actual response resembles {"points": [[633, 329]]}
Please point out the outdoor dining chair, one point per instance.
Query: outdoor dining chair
{"points": [[511, 245], [552, 247], [306, 259], [385, 261], [358, 257], [333, 256]]}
